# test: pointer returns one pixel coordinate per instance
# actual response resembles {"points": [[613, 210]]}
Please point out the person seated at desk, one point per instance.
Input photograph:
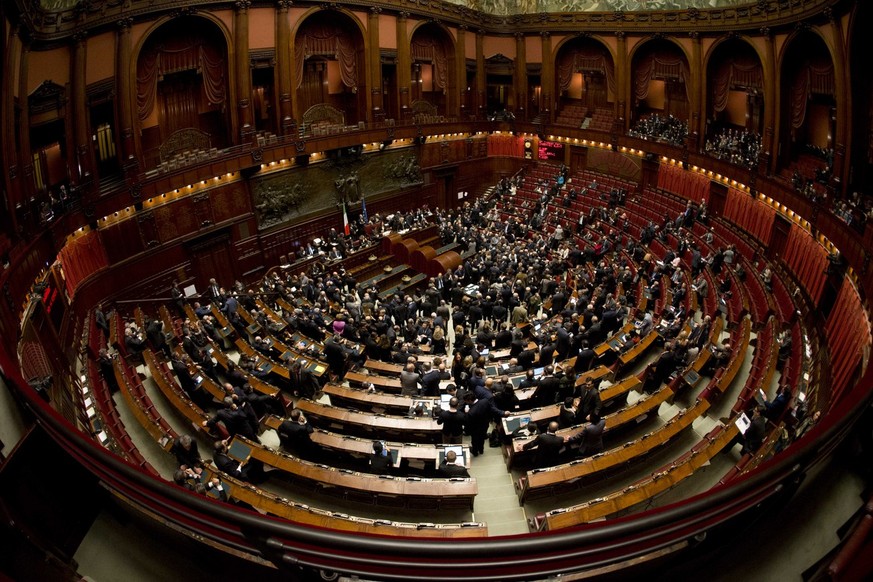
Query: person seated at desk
{"points": [[186, 452], [591, 437], [251, 471], [721, 355], [526, 431], [213, 488], [548, 447], [381, 461], [567, 414], [450, 468], [234, 419]]}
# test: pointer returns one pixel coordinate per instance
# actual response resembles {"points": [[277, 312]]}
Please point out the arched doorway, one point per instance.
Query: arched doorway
{"points": [[734, 102], [585, 84], [330, 69], [182, 84], [433, 63], [660, 82], [809, 113]]}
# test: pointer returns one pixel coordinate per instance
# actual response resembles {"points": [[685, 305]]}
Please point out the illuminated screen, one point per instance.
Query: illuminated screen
{"points": [[550, 150]]}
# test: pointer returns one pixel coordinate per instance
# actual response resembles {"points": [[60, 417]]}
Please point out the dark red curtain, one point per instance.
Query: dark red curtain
{"points": [[506, 146], [685, 183], [808, 259], [848, 333], [752, 215], [80, 257]]}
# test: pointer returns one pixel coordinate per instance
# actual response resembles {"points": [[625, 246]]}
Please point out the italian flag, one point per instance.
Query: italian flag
{"points": [[346, 228]]}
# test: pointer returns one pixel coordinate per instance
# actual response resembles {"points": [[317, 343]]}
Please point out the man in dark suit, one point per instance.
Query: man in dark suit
{"points": [[562, 343], [547, 389], [585, 359], [450, 468], [591, 437], [430, 381], [479, 415], [548, 447], [589, 403], [294, 435], [251, 471]]}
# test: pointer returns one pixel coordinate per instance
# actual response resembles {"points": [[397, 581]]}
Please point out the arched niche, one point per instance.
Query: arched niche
{"points": [[432, 53], [330, 64], [734, 88], [182, 88], [585, 75], [808, 111], [660, 80]]}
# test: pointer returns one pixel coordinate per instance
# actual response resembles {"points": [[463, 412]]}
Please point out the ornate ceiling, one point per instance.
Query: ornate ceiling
{"points": [[506, 7]]}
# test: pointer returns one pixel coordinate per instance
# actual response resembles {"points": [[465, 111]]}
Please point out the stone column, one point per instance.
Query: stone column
{"points": [[771, 104], [283, 66], [374, 59], [124, 90], [10, 153], [547, 78], [243, 69], [460, 72], [623, 76], [81, 162], [697, 122], [842, 135], [404, 66], [520, 77], [481, 97]]}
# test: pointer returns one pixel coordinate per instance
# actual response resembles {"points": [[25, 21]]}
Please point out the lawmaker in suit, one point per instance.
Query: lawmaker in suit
{"points": [[548, 447], [450, 468]]}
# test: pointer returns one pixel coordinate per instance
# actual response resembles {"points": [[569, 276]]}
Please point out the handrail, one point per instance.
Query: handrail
{"points": [[373, 555]]}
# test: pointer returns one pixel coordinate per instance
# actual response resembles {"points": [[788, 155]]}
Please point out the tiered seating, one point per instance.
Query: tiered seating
{"points": [[572, 114], [602, 119], [644, 490], [141, 405]]}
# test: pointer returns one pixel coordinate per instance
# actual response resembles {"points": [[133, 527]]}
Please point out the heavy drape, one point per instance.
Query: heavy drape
{"points": [[807, 259], [690, 185], [432, 51], [848, 333], [748, 74], [80, 257], [327, 41], [582, 61], [660, 67], [812, 79], [752, 215], [174, 55], [505, 145]]}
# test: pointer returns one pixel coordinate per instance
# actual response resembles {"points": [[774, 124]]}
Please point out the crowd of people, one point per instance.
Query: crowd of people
{"points": [[524, 268], [661, 127], [738, 147]]}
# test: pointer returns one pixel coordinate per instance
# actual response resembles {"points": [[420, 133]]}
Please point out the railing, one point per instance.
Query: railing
{"points": [[512, 558]]}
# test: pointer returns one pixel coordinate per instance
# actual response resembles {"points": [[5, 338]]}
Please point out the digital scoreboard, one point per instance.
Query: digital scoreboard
{"points": [[550, 150]]}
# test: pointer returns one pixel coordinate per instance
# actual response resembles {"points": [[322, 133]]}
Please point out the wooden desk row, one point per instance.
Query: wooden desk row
{"points": [[273, 504], [644, 490], [411, 492], [426, 453], [638, 412], [173, 392], [374, 426], [573, 475]]}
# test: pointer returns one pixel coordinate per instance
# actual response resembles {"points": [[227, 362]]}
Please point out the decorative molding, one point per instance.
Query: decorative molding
{"points": [[284, 5]]}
